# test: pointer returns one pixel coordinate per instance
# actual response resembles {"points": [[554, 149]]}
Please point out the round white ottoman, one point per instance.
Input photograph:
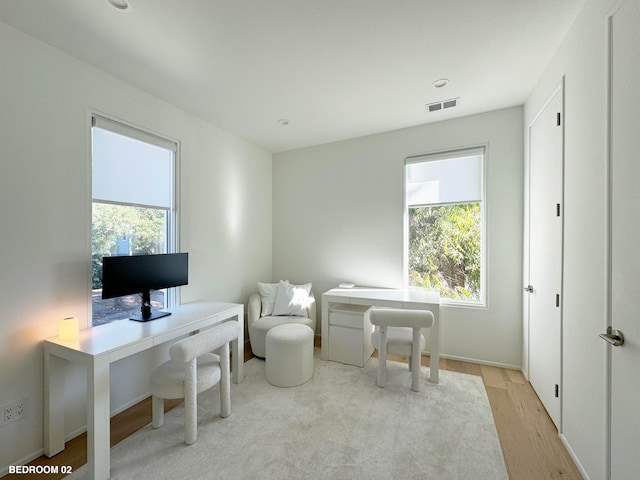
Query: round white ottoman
{"points": [[289, 355]]}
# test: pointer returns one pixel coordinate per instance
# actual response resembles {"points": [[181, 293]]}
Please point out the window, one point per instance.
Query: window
{"points": [[444, 218], [133, 209]]}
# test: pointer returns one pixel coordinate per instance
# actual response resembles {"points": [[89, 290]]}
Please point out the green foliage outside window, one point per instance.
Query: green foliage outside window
{"points": [[444, 250], [141, 229]]}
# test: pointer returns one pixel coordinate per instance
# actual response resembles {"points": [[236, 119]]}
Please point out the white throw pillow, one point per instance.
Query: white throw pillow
{"points": [[292, 300], [268, 293]]}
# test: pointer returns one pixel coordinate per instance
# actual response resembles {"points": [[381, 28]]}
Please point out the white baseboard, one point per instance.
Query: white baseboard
{"points": [[122, 408], [482, 362], [130, 404], [573, 456]]}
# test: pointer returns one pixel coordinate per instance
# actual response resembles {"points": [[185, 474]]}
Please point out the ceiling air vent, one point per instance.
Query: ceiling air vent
{"points": [[434, 107]]}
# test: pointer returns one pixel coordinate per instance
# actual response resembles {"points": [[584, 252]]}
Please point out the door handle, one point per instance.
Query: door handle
{"points": [[614, 337], [528, 288]]}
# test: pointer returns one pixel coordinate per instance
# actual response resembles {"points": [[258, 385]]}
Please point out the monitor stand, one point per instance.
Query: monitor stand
{"points": [[152, 316], [146, 314]]}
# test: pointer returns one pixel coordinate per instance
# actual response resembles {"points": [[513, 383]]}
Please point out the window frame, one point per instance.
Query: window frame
{"points": [[444, 154], [122, 127]]}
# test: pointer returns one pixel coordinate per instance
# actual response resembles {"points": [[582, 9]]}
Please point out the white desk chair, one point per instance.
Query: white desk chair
{"points": [[192, 370], [399, 332]]}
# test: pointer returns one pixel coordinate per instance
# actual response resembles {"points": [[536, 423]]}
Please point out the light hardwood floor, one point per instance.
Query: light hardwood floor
{"points": [[530, 444]]}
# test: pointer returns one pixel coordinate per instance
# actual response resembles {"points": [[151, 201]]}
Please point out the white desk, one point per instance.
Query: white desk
{"points": [[392, 298], [96, 348]]}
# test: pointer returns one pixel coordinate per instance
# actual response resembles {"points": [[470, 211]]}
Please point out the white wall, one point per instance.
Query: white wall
{"points": [[337, 216], [582, 59], [225, 211]]}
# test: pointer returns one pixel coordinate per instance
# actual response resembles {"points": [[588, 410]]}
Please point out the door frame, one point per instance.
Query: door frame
{"points": [[526, 358], [608, 239], [608, 212]]}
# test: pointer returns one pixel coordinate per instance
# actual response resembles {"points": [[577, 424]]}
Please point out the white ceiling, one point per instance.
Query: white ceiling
{"points": [[336, 69]]}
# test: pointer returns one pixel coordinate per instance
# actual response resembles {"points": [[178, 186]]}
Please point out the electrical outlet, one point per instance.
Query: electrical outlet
{"points": [[12, 412]]}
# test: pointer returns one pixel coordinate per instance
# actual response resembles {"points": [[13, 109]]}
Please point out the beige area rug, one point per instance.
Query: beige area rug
{"points": [[339, 425]]}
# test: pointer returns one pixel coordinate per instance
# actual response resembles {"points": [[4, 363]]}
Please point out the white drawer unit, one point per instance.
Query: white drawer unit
{"points": [[350, 334]]}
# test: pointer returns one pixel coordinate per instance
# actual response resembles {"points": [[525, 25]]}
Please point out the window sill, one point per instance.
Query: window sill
{"points": [[447, 303]]}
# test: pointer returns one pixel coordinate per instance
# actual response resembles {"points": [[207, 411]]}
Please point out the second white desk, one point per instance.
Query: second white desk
{"points": [[392, 298]]}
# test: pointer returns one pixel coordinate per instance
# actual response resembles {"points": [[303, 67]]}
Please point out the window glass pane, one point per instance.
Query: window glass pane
{"points": [[124, 230], [445, 250], [444, 223]]}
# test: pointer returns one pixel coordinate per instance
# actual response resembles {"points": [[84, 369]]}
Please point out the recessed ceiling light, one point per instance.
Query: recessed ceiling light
{"points": [[441, 82], [283, 121], [122, 5]]}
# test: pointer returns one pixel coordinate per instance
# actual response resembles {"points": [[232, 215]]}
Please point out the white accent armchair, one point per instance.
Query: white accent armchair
{"points": [[259, 324], [192, 370]]}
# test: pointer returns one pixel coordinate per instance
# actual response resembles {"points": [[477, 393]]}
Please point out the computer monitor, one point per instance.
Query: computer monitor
{"points": [[140, 274]]}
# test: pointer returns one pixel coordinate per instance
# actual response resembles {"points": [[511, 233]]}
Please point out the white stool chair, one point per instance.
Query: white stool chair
{"points": [[399, 332], [192, 370], [289, 355]]}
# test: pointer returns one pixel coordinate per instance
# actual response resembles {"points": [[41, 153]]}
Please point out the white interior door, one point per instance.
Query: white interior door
{"points": [[545, 253], [625, 239]]}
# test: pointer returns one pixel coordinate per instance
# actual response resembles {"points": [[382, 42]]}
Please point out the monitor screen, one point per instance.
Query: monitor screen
{"points": [[139, 274]]}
